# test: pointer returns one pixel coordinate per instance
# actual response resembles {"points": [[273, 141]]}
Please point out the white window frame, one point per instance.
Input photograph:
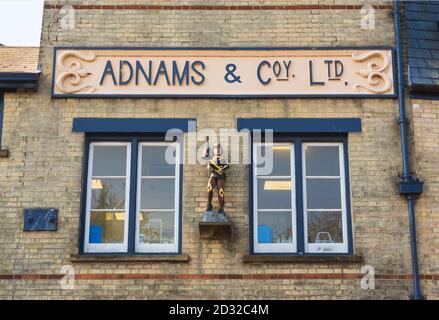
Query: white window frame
{"points": [[326, 247], [155, 247], [107, 247], [274, 247]]}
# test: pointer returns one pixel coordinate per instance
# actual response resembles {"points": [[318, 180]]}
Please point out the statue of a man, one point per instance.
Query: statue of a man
{"points": [[217, 166]]}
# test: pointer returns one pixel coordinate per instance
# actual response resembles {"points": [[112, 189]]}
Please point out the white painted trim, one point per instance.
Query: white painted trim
{"points": [[273, 177], [109, 177], [157, 177], [159, 210], [274, 210], [324, 177]]}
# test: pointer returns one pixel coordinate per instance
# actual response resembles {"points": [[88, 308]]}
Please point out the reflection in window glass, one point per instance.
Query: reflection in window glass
{"points": [[154, 161], [156, 227], [325, 227], [275, 227], [279, 162], [274, 194], [108, 193], [107, 226], [323, 194], [109, 161], [322, 161], [157, 194]]}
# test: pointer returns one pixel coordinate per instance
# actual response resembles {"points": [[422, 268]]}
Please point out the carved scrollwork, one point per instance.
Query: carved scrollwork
{"points": [[73, 72], [374, 74]]}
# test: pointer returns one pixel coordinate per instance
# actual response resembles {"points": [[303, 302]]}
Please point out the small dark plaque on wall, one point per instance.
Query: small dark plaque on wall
{"points": [[40, 219]]}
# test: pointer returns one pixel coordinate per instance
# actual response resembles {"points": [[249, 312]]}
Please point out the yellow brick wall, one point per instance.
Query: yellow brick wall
{"points": [[425, 130], [45, 163]]}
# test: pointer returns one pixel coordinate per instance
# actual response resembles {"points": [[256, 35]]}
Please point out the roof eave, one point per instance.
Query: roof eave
{"points": [[11, 81]]}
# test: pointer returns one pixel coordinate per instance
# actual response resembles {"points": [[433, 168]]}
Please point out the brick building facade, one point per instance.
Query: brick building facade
{"points": [[46, 163]]}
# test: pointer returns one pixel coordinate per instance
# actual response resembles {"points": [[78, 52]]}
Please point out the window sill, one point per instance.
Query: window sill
{"points": [[302, 259], [4, 153], [124, 258]]}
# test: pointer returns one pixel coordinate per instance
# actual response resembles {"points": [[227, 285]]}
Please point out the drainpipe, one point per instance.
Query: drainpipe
{"points": [[408, 185]]}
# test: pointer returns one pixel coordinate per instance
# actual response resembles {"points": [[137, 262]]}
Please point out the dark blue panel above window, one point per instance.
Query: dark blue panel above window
{"points": [[301, 125], [138, 125], [11, 81]]}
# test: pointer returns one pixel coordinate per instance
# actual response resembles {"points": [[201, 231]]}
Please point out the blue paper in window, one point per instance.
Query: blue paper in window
{"points": [[95, 234], [265, 234]]}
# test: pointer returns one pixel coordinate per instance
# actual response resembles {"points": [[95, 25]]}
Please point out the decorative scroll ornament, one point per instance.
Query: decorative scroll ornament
{"points": [[74, 72], [373, 73]]}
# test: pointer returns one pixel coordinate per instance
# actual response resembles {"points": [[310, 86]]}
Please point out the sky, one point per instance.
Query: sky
{"points": [[20, 22]]}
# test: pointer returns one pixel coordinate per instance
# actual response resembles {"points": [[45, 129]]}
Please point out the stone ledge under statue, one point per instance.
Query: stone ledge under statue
{"points": [[213, 216]]}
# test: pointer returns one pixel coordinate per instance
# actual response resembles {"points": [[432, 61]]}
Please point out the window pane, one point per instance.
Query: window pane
{"points": [[274, 193], [154, 161], [156, 227], [108, 193], [322, 161], [280, 162], [323, 194], [109, 160], [325, 227], [157, 194], [106, 227], [275, 227]]}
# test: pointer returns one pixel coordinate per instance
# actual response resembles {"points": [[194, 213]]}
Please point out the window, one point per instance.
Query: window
{"points": [[274, 203], [132, 197], [299, 197], [108, 197], [157, 199], [324, 199]]}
